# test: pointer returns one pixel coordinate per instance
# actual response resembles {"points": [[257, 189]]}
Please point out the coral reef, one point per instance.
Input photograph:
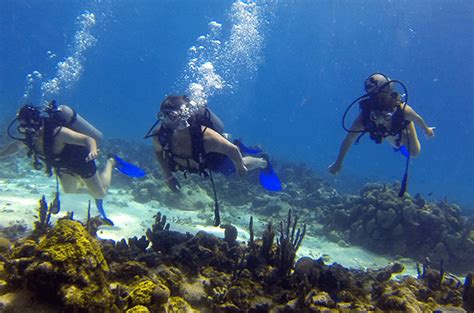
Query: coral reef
{"points": [[70, 270], [66, 266], [378, 219]]}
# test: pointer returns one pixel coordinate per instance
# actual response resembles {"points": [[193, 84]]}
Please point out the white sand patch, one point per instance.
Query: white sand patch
{"points": [[19, 200]]}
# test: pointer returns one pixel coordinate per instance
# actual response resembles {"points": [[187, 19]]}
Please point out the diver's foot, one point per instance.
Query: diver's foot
{"points": [[112, 159], [265, 158]]}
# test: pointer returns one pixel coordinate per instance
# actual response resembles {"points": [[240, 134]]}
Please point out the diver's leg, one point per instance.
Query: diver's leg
{"points": [[106, 175], [96, 189], [95, 186], [70, 184], [415, 146], [252, 163]]}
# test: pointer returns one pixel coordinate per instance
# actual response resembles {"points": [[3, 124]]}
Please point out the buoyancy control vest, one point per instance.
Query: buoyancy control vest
{"points": [[204, 118], [378, 132]]}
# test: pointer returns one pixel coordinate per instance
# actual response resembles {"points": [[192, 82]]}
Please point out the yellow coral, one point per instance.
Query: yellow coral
{"points": [[138, 309], [141, 294], [179, 305], [71, 242], [69, 249]]}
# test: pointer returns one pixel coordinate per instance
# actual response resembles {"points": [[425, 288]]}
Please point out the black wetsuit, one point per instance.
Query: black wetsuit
{"points": [[71, 160]]}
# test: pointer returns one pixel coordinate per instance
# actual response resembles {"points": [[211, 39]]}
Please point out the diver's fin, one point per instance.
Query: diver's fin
{"points": [[403, 150], [127, 168], [247, 150], [55, 207], [268, 179], [100, 208]]}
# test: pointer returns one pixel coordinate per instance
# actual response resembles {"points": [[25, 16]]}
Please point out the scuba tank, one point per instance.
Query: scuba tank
{"points": [[68, 117], [211, 119]]}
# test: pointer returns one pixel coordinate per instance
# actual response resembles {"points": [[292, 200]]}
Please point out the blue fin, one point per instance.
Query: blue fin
{"points": [[268, 179], [55, 207], [247, 150], [100, 208], [403, 150], [128, 168]]}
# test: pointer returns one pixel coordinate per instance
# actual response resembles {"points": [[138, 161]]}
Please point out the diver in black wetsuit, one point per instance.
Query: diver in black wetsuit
{"points": [[384, 116], [70, 153]]}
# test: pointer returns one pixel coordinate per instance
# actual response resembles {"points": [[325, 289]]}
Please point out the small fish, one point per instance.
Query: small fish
{"points": [[430, 194]]}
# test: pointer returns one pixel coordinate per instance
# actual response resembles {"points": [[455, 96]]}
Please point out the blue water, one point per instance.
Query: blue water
{"points": [[286, 86]]}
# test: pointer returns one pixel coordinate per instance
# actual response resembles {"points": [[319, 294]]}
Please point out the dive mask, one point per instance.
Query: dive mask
{"points": [[378, 115]]}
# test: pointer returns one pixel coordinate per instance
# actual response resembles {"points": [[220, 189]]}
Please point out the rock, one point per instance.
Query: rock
{"points": [[468, 292], [304, 267], [230, 234], [386, 219], [194, 292], [179, 305], [440, 252], [3, 288], [370, 226], [398, 231], [448, 309], [333, 236], [323, 299], [173, 277], [5, 245], [160, 294]]}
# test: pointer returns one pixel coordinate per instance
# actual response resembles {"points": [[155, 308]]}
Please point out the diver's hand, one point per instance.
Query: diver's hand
{"points": [[429, 133], [335, 168], [242, 171], [173, 183], [92, 155]]}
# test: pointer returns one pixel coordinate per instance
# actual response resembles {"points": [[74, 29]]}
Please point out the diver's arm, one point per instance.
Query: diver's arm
{"points": [[11, 149], [170, 180], [214, 142], [412, 116], [346, 144], [69, 136]]}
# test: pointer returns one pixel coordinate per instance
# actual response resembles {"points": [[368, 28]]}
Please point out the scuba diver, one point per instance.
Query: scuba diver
{"points": [[384, 116], [64, 141], [195, 143]]}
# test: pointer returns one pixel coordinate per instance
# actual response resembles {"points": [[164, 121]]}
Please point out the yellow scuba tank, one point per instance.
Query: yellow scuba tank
{"points": [[68, 117]]}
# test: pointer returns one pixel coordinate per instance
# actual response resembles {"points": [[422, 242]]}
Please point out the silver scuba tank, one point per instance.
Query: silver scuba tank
{"points": [[217, 124], [69, 118]]}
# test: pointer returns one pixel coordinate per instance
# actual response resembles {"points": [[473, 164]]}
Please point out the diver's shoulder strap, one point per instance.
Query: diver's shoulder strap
{"points": [[197, 143]]}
